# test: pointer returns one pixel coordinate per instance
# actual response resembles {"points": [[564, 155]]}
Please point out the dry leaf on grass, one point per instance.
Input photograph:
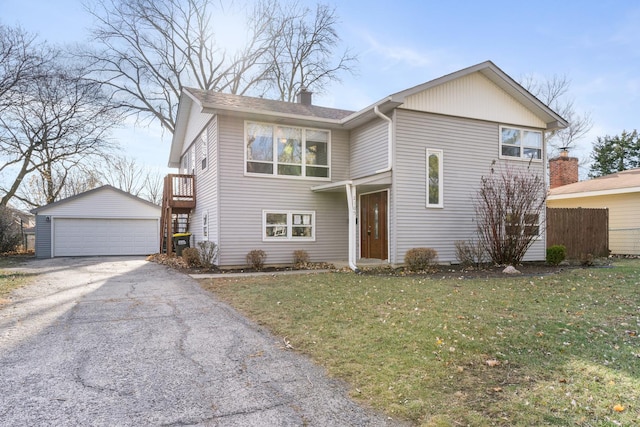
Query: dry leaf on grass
{"points": [[492, 362]]}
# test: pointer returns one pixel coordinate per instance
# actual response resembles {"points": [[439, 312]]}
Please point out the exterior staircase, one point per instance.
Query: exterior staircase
{"points": [[178, 200]]}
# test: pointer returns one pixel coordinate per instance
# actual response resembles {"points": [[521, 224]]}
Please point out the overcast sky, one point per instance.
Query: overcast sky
{"points": [[400, 44]]}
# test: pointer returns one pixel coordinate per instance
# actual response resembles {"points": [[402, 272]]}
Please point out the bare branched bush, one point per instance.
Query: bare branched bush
{"points": [[300, 258], [208, 253], [256, 259], [420, 259], [509, 207], [470, 253], [191, 256], [9, 231]]}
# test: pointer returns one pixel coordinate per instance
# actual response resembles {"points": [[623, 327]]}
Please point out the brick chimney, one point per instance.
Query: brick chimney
{"points": [[304, 96], [563, 169]]}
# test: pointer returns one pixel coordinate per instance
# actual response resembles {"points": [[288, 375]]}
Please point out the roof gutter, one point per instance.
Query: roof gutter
{"points": [[384, 117]]}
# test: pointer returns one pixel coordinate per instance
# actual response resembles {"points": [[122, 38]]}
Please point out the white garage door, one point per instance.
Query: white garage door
{"points": [[93, 236]]}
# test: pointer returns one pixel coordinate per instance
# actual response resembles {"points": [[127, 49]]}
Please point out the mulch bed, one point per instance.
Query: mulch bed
{"points": [[439, 271]]}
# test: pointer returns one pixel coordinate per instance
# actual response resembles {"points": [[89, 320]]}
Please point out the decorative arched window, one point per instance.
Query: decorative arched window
{"points": [[434, 179]]}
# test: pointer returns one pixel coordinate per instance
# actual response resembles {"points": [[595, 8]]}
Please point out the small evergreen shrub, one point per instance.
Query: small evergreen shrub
{"points": [[300, 258], [556, 254], [256, 259], [208, 253], [419, 259], [470, 253], [191, 256]]}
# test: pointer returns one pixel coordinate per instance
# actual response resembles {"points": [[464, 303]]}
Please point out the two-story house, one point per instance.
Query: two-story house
{"points": [[352, 185]]}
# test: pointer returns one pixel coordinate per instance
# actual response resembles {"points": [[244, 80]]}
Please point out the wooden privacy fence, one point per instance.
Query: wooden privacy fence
{"points": [[581, 231]]}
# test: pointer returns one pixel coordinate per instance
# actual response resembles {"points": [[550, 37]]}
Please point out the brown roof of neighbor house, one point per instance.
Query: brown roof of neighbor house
{"points": [[609, 183], [226, 101]]}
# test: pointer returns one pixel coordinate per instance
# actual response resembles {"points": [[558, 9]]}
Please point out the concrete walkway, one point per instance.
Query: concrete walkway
{"points": [[124, 342]]}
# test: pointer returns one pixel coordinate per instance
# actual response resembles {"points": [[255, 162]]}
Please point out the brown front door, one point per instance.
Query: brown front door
{"points": [[373, 225]]}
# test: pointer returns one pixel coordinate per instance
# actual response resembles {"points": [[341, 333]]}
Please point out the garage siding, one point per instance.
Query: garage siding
{"points": [[43, 237], [88, 236], [103, 221]]}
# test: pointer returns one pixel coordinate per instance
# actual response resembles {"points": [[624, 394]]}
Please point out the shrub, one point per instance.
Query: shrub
{"points": [[418, 259], [191, 256], [300, 258], [470, 253], [208, 253], [256, 258], [556, 254], [9, 231], [586, 260]]}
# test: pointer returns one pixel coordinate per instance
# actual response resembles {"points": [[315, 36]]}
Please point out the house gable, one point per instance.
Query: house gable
{"points": [[473, 96]]}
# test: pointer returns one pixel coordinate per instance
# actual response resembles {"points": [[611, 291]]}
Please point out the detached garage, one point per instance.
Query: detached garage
{"points": [[103, 221]]}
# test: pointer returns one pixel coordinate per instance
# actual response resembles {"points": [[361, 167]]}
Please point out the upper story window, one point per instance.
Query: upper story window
{"points": [[204, 147], [520, 143], [286, 151]]}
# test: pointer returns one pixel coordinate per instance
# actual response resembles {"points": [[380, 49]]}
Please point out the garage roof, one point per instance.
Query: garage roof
{"points": [[76, 200]]}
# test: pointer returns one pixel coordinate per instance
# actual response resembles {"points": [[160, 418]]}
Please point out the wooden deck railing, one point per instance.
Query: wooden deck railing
{"points": [[180, 191]]}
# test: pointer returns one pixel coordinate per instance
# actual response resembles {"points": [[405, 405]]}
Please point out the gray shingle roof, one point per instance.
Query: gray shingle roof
{"points": [[225, 101]]}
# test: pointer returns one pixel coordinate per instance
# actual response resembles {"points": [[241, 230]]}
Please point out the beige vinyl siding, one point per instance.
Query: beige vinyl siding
{"points": [[196, 123], [469, 147], [243, 199], [207, 187], [369, 149], [624, 220], [474, 96]]}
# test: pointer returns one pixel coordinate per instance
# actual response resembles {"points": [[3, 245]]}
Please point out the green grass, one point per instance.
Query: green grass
{"points": [[553, 350], [10, 280]]}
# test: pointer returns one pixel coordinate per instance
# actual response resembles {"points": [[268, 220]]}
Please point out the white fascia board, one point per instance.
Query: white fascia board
{"points": [[594, 193]]}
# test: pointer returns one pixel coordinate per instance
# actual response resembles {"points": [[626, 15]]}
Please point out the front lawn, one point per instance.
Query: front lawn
{"points": [[10, 280], [561, 349]]}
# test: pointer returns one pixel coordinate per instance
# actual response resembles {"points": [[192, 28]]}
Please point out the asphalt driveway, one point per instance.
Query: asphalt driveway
{"points": [[124, 342]]}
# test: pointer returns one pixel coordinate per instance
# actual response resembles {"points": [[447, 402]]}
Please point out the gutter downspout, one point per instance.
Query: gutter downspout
{"points": [[351, 206], [376, 110]]}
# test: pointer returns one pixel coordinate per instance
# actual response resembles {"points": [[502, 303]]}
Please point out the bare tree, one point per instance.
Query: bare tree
{"points": [[151, 49], [553, 92], [303, 49], [153, 187], [57, 121], [22, 59], [124, 173], [509, 207]]}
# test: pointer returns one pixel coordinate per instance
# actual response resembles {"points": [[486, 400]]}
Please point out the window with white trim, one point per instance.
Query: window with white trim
{"points": [[205, 225], [529, 225], [192, 156], [434, 178], [204, 148], [288, 225], [186, 161], [286, 151], [517, 143]]}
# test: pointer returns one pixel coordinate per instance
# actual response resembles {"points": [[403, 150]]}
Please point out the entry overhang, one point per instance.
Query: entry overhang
{"points": [[368, 183]]}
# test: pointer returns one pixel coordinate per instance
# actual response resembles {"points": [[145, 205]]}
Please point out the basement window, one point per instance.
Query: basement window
{"points": [[288, 225]]}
